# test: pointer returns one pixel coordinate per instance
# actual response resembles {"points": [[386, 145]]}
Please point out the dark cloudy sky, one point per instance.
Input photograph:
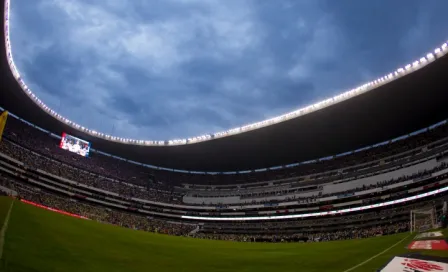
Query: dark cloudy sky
{"points": [[165, 69]]}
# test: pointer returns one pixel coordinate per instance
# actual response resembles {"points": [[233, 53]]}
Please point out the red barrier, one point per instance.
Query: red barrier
{"points": [[52, 209]]}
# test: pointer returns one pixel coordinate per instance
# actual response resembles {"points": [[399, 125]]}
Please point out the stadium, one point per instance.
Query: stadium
{"points": [[75, 199]]}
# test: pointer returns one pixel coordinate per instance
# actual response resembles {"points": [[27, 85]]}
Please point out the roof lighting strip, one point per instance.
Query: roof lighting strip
{"points": [[400, 72]]}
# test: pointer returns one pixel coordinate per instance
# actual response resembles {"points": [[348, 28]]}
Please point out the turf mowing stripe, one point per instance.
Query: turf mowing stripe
{"points": [[4, 228], [377, 255]]}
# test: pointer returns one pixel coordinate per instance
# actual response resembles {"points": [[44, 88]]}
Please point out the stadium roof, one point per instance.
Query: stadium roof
{"points": [[396, 107]]}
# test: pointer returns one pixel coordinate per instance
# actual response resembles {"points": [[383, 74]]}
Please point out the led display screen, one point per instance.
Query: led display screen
{"points": [[75, 145]]}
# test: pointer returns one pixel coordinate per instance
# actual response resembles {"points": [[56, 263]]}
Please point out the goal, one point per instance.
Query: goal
{"points": [[423, 219]]}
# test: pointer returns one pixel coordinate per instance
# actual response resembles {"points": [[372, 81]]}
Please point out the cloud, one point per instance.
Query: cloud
{"points": [[180, 68]]}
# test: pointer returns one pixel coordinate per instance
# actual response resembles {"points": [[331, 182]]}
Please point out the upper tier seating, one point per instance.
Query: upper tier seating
{"points": [[41, 142]]}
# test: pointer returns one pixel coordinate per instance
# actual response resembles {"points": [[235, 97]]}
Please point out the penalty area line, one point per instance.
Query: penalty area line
{"points": [[377, 255], [4, 228]]}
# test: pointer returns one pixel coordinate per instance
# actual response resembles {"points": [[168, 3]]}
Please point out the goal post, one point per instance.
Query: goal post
{"points": [[423, 219]]}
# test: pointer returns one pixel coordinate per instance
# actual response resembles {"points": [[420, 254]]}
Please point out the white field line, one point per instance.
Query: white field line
{"points": [[4, 228], [377, 255]]}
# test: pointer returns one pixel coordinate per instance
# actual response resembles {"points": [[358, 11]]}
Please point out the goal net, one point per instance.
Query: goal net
{"points": [[423, 219]]}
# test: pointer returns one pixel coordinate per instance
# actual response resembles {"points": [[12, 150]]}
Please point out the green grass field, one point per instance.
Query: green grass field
{"points": [[39, 240]]}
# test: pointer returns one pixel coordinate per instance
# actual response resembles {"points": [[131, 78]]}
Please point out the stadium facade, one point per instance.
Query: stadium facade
{"points": [[361, 194]]}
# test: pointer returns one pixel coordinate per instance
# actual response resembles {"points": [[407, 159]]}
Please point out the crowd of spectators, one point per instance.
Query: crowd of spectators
{"points": [[129, 190], [367, 232], [362, 233], [118, 169]]}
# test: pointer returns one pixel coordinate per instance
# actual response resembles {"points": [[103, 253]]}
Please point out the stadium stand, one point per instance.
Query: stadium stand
{"points": [[115, 191]]}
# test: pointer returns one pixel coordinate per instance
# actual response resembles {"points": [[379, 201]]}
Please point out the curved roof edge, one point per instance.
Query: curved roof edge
{"points": [[369, 86]]}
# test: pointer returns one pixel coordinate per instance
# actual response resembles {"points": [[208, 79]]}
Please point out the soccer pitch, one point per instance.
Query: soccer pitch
{"points": [[40, 240]]}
